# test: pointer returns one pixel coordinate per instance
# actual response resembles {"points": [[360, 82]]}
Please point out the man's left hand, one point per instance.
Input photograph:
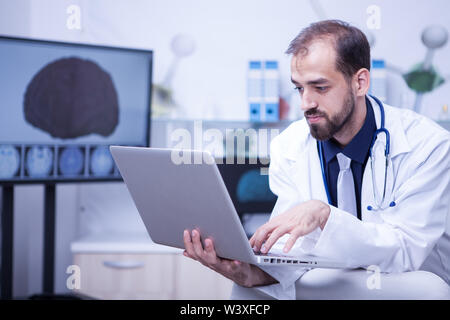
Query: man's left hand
{"points": [[297, 221]]}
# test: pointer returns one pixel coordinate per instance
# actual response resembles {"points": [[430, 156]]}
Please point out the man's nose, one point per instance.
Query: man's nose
{"points": [[308, 102]]}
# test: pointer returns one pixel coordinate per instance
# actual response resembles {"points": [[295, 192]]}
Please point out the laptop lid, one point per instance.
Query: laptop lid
{"points": [[172, 196]]}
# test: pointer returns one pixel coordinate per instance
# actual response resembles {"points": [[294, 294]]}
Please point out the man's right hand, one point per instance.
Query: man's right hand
{"points": [[244, 274]]}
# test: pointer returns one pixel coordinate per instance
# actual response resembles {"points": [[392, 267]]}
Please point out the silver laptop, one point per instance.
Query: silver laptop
{"points": [[175, 190]]}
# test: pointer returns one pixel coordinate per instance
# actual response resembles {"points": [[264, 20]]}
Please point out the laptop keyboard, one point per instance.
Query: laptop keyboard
{"points": [[283, 259], [273, 255]]}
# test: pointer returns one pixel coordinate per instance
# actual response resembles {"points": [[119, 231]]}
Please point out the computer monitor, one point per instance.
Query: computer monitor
{"points": [[63, 104], [248, 186]]}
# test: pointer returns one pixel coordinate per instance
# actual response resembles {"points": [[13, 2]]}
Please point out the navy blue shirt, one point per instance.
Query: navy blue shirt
{"points": [[357, 150]]}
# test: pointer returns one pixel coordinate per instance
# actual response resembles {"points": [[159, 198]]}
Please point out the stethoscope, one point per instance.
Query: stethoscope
{"points": [[381, 199]]}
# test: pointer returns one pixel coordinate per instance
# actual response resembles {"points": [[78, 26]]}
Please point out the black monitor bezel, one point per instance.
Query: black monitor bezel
{"points": [[78, 179]]}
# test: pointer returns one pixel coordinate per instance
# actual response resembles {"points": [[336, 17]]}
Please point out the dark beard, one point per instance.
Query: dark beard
{"points": [[334, 125]]}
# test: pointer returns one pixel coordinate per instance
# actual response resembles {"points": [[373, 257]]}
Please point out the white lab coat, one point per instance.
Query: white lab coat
{"points": [[414, 234]]}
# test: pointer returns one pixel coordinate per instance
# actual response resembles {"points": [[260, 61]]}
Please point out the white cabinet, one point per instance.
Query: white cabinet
{"points": [[126, 276], [195, 281], [152, 272]]}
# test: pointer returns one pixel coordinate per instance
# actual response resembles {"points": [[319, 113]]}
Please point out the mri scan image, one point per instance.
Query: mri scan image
{"points": [[253, 186], [101, 161], [71, 161], [9, 161], [39, 161]]}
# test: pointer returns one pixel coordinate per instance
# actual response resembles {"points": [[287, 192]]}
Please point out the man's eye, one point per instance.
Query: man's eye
{"points": [[299, 89], [321, 88]]}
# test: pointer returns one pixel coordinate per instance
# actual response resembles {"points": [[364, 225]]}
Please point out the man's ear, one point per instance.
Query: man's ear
{"points": [[362, 82]]}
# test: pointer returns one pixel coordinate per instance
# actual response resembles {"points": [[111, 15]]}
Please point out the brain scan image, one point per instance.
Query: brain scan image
{"points": [[71, 161], [70, 98], [253, 186], [39, 161], [101, 161], [9, 161]]}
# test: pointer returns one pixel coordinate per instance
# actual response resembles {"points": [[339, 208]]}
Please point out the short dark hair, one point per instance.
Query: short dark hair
{"points": [[350, 43]]}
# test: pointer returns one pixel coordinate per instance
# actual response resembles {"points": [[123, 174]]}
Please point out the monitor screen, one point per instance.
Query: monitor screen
{"points": [[63, 104], [248, 186]]}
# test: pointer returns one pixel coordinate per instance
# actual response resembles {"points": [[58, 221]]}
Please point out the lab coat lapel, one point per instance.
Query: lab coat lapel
{"points": [[399, 144], [367, 193], [307, 174]]}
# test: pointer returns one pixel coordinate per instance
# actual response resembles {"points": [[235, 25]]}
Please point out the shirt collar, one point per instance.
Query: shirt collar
{"points": [[359, 146]]}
